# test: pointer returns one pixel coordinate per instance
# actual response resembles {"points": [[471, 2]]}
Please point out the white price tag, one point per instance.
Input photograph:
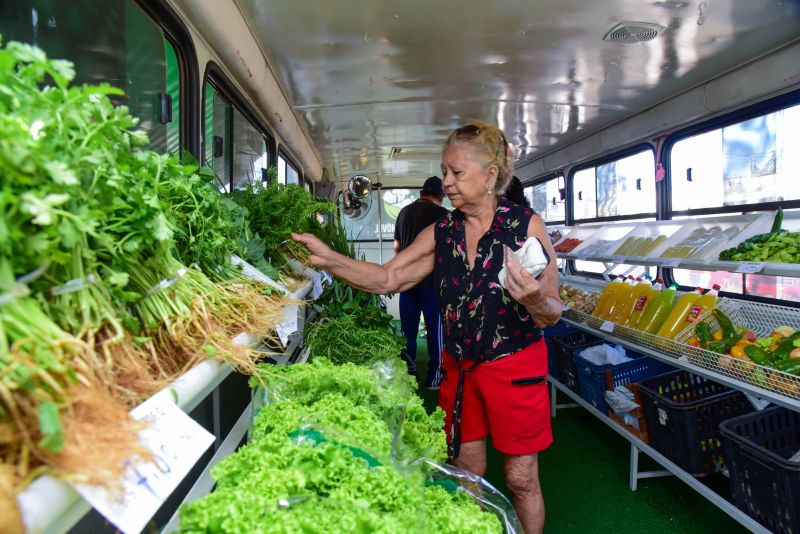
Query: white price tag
{"points": [[316, 288], [289, 324], [671, 262], [750, 267], [327, 277], [176, 441], [564, 307], [607, 326]]}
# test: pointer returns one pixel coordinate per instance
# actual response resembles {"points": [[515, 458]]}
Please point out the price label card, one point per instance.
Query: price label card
{"points": [[326, 277], [750, 267], [564, 307], [176, 441], [607, 326], [289, 324], [672, 262], [316, 288]]}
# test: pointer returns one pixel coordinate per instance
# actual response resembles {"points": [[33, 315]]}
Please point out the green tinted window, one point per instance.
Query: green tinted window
{"points": [[109, 41]]}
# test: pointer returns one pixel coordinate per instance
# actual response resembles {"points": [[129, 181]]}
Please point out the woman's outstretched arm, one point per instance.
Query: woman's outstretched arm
{"points": [[402, 272]]}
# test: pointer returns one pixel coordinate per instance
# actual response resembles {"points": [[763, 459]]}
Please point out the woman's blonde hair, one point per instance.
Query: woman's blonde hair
{"points": [[491, 147]]}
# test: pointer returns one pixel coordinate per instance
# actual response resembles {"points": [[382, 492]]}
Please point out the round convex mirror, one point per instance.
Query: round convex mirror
{"points": [[360, 186]]}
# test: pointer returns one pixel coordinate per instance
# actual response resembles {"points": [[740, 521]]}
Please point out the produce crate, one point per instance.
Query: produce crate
{"points": [[762, 319], [566, 345], [764, 483], [549, 333], [592, 377], [683, 412]]}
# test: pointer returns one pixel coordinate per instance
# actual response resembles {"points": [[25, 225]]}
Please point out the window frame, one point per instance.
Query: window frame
{"points": [[543, 179], [177, 33], [726, 119], [219, 81], [614, 156], [289, 159]]}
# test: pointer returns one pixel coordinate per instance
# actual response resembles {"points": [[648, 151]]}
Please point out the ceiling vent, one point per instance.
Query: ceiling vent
{"points": [[415, 153], [394, 153], [633, 32]]}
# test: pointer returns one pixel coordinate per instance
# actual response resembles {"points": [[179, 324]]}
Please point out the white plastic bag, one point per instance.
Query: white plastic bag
{"points": [[605, 354], [620, 400], [530, 257]]}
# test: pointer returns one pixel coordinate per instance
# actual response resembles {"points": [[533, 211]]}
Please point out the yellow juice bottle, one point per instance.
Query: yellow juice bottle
{"points": [[701, 306], [657, 310], [649, 293], [611, 307], [608, 293], [624, 306], [674, 321]]}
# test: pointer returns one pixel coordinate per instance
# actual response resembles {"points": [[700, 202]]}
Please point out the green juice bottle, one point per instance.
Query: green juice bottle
{"points": [[657, 310]]}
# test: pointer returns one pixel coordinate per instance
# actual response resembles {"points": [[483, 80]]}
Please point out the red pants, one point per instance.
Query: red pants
{"points": [[506, 399]]}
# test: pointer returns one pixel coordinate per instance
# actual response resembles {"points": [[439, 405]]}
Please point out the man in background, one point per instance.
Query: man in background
{"points": [[411, 220]]}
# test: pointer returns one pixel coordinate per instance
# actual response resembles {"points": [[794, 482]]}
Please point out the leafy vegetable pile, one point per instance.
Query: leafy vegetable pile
{"points": [[342, 339], [114, 266], [331, 453], [777, 246]]}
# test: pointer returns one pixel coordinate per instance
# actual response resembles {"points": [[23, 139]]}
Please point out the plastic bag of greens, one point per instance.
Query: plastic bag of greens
{"points": [[489, 498]]}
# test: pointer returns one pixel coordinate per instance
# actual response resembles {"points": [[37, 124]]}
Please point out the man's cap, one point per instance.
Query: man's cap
{"points": [[433, 186]]}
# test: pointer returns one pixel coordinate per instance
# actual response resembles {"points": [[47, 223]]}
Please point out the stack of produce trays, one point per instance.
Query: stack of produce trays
{"points": [[342, 449], [750, 341]]}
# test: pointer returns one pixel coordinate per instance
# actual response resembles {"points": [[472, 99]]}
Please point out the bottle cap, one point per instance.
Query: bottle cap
{"points": [[660, 280], [715, 286]]}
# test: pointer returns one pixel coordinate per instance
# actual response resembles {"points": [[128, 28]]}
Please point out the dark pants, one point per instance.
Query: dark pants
{"points": [[413, 302]]}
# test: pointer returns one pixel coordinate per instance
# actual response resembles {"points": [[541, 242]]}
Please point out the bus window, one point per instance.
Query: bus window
{"points": [[287, 173], [218, 153], [545, 199], [621, 189], [91, 34], [743, 163], [250, 152]]}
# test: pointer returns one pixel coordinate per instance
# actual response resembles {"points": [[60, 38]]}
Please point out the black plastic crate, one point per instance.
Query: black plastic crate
{"points": [[765, 484], [565, 346], [683, 412], [549, 333]]}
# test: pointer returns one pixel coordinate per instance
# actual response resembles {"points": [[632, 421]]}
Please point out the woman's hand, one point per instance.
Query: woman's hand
{"points": [[321, 254], [524, 288]]}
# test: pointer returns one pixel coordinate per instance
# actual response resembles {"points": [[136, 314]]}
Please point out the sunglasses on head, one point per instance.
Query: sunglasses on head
{"points": [[471, 131]]}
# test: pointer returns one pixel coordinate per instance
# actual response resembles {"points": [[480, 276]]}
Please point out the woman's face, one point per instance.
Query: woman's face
{"points": [[464, 178]]}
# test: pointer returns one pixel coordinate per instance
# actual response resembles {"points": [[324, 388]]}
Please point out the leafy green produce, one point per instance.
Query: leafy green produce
{"points": [[777, 246], [276, 210], [342, 339]]}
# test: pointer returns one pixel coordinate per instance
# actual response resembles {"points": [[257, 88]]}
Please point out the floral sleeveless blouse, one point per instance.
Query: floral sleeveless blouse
{"points": [[480, 320]]}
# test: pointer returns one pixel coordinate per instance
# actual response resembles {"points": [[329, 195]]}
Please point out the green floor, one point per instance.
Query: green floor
{"points": [[584, 477]]}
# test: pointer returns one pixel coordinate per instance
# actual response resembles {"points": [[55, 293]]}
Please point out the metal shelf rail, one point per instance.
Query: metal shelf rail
{"points": [[638, 446]]}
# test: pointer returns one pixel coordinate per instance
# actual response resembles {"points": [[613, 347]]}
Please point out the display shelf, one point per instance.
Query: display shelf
{"points": [[602, 242], [647, 238], [638, 445], [49, 505], [575, 233], [770, 385]]}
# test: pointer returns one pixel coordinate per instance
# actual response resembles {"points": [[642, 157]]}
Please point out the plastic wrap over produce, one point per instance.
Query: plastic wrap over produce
{"points": [[489, 498]]}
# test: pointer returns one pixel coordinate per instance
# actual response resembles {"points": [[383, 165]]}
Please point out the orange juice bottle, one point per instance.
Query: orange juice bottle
{"points": [[609, 292], [674, 321], [649, 293], [657, 310], [701, 305], [611, 308], [624, 306]]}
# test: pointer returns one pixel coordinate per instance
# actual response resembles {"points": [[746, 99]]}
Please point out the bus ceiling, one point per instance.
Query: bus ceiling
{"points": [[376, 86]]}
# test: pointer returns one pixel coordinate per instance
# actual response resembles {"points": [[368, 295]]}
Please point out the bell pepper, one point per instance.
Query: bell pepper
{"points": [[703, 334], [785, 347], [723, 346], [728, 330], [789, 366], [758, 355]]}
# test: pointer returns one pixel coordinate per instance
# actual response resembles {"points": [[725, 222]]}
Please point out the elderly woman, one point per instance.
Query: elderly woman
{"points": [[494, 360]]}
